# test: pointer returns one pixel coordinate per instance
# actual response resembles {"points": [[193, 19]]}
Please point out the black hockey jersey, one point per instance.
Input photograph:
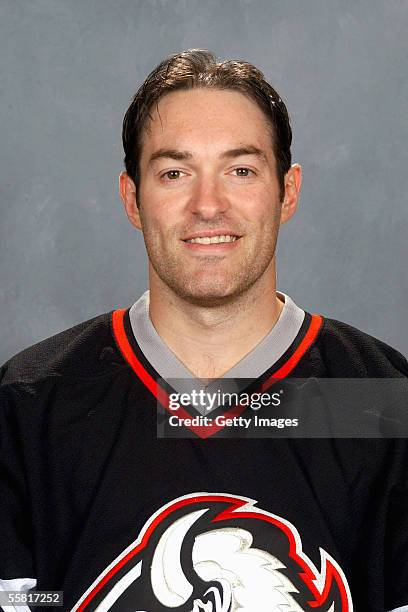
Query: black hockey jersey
{"points": [[93, 503]]}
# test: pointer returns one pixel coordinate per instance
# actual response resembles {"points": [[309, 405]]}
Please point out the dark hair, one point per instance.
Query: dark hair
{"points": [[197, 68]]}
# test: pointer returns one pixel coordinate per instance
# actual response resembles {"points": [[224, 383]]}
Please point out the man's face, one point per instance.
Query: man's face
{"points": [[209, 195]]}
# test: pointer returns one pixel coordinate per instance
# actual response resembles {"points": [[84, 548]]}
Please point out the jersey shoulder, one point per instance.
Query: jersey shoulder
{"points": [[345, 351], [81, 351]]}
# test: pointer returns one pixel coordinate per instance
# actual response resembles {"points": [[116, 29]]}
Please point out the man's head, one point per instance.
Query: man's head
{"points": [[208, 177], [197, 68]]}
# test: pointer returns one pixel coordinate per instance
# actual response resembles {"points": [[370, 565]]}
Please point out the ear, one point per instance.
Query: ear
{"points": [[127, 189], [293, 182]]}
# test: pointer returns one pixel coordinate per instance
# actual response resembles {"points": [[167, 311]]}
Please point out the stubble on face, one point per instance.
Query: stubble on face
{"points": [[209, 283], [211, 280]]}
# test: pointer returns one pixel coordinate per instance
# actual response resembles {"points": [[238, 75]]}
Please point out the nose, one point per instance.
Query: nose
{"points": [[208, 198]]}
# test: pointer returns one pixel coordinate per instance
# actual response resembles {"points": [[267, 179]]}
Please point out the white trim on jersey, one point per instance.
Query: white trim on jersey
{"points": [[17, 584]]}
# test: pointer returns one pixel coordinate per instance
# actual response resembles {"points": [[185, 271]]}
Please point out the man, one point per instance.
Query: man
{"points": [[95, 501]]}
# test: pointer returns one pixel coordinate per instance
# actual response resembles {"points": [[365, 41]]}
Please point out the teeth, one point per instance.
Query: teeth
{"points": [[212, 240]]}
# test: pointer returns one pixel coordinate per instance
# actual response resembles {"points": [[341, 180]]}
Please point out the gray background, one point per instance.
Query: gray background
{"points": [[68, 71]]}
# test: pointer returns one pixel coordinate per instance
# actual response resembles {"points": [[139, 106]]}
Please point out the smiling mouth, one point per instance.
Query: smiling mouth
{"points": [[212, 239]]}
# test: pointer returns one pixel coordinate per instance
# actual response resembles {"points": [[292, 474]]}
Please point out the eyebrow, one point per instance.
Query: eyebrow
{"points": [[245, 150], [186, 155], [170, 154]]}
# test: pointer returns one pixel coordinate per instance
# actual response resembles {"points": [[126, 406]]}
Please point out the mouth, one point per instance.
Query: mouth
{"points": [[215, 239]]}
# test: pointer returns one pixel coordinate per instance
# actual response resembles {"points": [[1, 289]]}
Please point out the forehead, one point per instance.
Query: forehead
{"points": [[206, 119]]}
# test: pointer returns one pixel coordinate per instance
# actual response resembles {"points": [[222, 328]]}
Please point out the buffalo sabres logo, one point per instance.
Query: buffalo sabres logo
{"points": [[212, 552]]}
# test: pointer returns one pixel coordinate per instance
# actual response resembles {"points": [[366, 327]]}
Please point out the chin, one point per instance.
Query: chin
{"points": [[206, 287], [209, 295]]}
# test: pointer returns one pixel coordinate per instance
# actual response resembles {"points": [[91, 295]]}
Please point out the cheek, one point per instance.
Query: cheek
{"points": [[158, 210], [158, 226], [261, 212]]}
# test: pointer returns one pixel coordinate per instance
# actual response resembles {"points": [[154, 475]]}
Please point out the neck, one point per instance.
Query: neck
{"points": [[210, 341]]}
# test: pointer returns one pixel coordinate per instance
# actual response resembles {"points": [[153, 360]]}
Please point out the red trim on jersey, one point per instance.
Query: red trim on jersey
{"points": [[310, 337], [124, 345], [205, 431]]}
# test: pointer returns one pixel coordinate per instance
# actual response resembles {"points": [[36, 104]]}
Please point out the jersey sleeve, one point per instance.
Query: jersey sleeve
{"points": [[19, 584], [16, 556], [396, 545]]}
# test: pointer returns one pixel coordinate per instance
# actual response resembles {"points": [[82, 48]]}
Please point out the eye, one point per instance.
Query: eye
{"points": [[243, 172], [172, 175]]}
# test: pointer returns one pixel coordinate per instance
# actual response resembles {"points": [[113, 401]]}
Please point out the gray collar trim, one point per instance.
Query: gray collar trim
{"points": [[254, 364]]}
